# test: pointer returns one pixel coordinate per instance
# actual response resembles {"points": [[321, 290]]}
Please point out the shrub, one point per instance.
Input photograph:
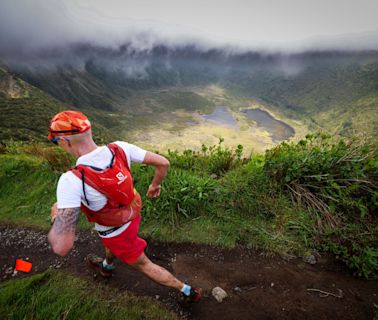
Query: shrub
{"points": [[213, 160], [357, 248], [337, 181], [184, 195], [248, 190], [334, 177]]}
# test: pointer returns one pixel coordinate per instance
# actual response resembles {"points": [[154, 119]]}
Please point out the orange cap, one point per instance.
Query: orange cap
{"points": [[68, 123]]}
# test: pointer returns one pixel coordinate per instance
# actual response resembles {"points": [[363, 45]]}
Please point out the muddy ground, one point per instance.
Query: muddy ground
{"points": [[259, 287]]}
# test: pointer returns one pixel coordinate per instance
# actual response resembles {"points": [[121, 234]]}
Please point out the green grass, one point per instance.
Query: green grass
{"points": [[239, 206], [27, 187], [192, 207], [216, 197], [28, 183], [56, 295]]}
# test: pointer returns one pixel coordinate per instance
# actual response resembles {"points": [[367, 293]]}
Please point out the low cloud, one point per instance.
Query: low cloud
{"points": [[43, 36], [29, 27]]}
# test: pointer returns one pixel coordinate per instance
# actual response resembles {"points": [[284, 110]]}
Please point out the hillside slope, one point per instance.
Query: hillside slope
{"points": [[341, 97], [26, 111]]}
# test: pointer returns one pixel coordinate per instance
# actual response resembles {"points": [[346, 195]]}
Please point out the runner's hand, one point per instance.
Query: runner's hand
{"points": [[153, 191], [54, 210]]}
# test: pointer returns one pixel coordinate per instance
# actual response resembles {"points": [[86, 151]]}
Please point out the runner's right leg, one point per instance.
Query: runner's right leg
{"points": [[165, 278]]}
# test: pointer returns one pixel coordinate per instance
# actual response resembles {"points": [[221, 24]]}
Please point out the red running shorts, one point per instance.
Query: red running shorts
{"points": [[127, 246]]}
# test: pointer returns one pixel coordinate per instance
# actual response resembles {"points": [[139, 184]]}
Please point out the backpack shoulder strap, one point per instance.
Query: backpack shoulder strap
{"points": [[117, 150], [80, 174]]}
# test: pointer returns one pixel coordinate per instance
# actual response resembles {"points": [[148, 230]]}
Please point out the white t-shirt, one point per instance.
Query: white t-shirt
{"points": [[70, 187]]}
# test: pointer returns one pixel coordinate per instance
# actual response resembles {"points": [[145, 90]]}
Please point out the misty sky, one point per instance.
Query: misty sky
{"points": [[279, 24]]}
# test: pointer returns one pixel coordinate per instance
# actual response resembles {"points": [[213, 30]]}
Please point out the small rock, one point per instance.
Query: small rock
{"points": [[219, 294], [311, 259], [157, 297], [238, 290], [9, 270], [316, 254]]}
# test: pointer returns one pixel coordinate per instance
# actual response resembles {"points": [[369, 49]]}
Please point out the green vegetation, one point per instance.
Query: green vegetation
{"points": [[190, 101], [26, 116], [215, 196], [338, 94], [53, 295], [23, 172], [333, 177], [211, 160], [315, 194], [28, 178], [336, 180]]}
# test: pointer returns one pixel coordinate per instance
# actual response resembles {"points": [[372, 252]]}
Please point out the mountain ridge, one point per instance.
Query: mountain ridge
{"points": [[27, 110]]}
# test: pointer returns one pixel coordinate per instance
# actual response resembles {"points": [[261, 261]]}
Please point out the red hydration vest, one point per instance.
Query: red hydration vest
{"points": [[115, 182]]}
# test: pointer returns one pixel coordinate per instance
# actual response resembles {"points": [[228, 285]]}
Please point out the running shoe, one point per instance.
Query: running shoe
{"points": [[193, 297], [95, 262]]}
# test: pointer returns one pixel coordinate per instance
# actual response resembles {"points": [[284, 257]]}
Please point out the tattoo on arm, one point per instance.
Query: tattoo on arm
{"points": [[66, 220]]}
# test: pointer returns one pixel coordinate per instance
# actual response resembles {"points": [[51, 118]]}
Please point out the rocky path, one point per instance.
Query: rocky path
{"points": [[258, 287]]}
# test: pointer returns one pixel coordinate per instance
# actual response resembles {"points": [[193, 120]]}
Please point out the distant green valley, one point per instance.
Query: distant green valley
{"points": [[161, 103]]}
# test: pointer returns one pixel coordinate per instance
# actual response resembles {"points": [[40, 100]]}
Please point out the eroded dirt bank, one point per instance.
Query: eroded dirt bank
{"points": [[258, 287]]}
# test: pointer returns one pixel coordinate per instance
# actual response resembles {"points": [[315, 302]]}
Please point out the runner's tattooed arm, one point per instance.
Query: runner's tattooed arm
{"points": [[62, 233]]}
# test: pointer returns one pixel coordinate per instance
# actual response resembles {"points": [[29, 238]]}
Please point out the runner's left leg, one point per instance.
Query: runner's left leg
{"points": [[109, 257]]}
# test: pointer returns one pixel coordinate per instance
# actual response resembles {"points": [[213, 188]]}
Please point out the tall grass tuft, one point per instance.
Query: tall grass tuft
{"points": [[184, 196], [214, 160]]}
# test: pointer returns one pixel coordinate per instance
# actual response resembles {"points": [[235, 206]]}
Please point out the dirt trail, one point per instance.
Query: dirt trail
{"points": [[258, 287]]}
